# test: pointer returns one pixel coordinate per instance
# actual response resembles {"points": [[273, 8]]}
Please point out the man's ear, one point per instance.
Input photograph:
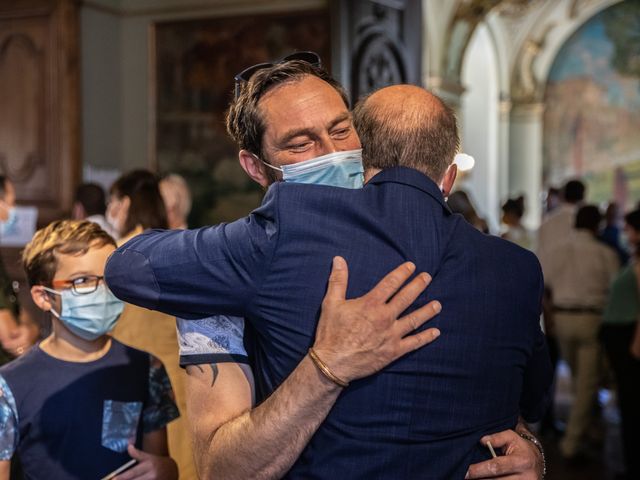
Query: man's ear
{"points": [[41, 298], [254, 168], [449, 179]]}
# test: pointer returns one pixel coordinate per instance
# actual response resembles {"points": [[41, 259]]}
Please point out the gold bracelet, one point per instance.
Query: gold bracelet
{"points": [[325, 370]]}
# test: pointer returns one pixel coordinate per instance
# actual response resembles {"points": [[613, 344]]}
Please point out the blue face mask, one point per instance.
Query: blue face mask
{"points": [[90, 315], [8, 226], [339, 169]]}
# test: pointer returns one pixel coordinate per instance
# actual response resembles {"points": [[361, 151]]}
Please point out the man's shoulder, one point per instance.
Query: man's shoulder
{"points": [[495, 250], [558, 221]]}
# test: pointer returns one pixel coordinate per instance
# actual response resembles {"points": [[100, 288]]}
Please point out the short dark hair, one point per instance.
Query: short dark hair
{"points": [[633, 219], [244, 120], [428, 144], [588, 218], [3, 185], [514, 206], [146, 208], [92, 198], [573, 191]]}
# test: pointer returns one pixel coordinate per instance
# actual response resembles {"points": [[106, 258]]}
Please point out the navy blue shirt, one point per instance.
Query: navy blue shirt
{"points": [[71, 420], [423, 415]]}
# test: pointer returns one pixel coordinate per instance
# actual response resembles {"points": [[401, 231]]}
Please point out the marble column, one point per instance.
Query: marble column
{"points": [[525, 157], [504, 122]]}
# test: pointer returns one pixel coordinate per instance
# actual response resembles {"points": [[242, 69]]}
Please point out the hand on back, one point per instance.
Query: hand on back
{"points": [[360, 336]]}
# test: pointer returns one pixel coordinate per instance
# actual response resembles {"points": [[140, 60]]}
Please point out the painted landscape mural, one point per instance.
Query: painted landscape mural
{"points": [[592, 116]]}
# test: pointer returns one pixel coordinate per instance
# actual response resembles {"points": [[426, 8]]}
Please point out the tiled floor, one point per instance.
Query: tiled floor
{"points": [[602, 458]]}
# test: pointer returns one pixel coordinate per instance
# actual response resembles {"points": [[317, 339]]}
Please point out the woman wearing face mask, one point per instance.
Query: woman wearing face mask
{"points": [[135, 205], [621, 337]]}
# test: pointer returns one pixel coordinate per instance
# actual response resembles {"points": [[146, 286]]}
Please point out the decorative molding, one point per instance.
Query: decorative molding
{"points": [[22, 168], [464, 22], [153, 8], [527, 111], [381, 40], [525, 86], [504, 105], [517, 8], [579, 5]]}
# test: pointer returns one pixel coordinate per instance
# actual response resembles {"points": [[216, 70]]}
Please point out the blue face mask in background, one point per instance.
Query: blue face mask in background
{"points": [[90, 315], [338, 169], [8, 226]]}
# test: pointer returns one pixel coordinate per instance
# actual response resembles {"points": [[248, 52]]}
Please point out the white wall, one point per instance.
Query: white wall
{"points": [[101, 88], [479, 123]]}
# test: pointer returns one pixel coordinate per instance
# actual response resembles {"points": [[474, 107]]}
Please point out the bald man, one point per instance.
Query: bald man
{"points": [[416, 417], [177, 200]]}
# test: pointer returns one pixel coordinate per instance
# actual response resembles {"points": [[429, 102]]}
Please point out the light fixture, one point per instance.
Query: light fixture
{"points": [[464, 162]]}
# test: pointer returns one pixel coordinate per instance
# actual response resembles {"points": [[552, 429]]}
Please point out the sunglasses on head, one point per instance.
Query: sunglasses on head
{"points": [[244, 76]]}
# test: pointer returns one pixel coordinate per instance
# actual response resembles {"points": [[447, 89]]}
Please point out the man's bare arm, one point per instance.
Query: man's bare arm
{"points": [[355, 338]]}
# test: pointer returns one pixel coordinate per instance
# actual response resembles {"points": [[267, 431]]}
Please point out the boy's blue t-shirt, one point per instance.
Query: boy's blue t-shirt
{"points": [[70, 420]]}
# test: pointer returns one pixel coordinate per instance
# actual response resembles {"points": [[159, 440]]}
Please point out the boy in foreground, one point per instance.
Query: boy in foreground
{"points": [[81, 404]]}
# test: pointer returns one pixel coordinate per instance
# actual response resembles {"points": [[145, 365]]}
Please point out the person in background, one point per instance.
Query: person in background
{"points": [[16, 335], [459, 202], [552, 200], [512, 213], [79, 404], [136, 205], [611, 233], [560, 222], [578, 272], [177, 200], [619, 327], [90, 204]]}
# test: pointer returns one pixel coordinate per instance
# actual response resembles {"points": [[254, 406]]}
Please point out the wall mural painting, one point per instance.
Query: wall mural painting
{"points": [[195, 65], [592, 115]]}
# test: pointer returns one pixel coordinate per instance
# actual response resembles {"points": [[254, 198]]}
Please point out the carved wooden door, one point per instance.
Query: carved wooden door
{"points": [[379, 43], [39, 102], [39, 112]]}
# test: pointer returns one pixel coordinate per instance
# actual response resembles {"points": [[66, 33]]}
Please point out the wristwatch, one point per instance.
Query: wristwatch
{"points": [[536, 442]]}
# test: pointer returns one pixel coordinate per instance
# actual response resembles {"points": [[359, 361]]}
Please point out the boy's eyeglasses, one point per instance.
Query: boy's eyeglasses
{"points": [[244, 76], [81, 285]]}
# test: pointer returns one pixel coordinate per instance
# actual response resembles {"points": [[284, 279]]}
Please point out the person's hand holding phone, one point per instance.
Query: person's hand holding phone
{"points": [[149, 467]]}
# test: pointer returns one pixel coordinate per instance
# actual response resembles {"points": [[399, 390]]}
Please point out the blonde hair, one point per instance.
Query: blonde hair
{"points": [[69, 237]]}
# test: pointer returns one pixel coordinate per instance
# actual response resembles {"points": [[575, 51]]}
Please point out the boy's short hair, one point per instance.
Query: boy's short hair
{"points": [[68, 237]]}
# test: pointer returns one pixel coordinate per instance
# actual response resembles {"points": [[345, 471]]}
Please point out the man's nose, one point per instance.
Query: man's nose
{"points": [[328, 145]]}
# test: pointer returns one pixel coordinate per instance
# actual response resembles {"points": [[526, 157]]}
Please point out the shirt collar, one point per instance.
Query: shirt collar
{"points": [[412, 178]]}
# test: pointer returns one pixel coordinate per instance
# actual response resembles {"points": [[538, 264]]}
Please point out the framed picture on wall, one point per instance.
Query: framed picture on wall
{"points": [[195, 62]]}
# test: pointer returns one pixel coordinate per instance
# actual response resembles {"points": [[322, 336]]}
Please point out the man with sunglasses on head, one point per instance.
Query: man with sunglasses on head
{"points": [[270, 268]]}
